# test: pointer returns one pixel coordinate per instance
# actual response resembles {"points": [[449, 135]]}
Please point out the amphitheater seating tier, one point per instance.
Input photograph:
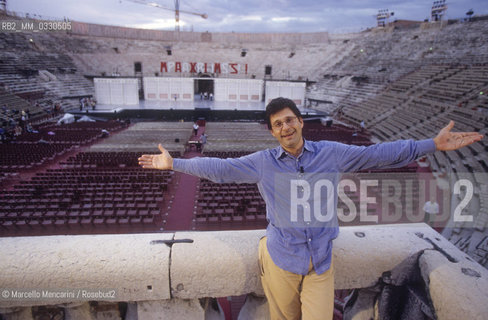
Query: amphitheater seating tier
{"points": [[31, 150], [237, 136], [146, 137], [402, 83], [91, 197]]}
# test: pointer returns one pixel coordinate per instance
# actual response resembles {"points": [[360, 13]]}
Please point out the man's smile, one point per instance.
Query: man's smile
{"points": [[288, 135]]}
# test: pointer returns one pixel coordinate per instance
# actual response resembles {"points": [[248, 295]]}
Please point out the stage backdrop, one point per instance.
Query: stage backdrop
{"points": [[158, 88], [238, 90], [291, 90], [116, 91]]}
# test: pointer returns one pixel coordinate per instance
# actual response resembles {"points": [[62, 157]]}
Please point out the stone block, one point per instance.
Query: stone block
{"points": [[170, 309], [135, 266], [386, 246], [459, 290], [216, 264]]}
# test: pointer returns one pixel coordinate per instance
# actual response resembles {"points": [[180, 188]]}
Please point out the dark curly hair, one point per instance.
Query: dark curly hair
{"points": [[278, 104]]}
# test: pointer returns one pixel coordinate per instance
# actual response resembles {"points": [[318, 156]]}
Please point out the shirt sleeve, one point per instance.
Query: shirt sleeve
{"points": [[394, 154], [245, 169]]}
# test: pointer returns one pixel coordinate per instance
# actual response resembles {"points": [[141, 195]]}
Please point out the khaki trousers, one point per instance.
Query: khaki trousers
{"points": [[294, 296]]}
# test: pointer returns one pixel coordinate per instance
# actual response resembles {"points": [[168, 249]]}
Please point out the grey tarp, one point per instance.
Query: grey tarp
{"points": [[400, 294]]}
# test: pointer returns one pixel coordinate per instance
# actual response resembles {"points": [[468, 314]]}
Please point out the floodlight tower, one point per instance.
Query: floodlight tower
{"points": [[383, 16], [3, 5], [438, 11]]}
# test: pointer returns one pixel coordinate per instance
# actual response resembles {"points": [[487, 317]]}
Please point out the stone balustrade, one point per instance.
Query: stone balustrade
{"points": [[174, 275]]}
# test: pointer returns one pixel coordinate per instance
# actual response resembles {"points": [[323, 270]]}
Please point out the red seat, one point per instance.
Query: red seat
{"points": [[33, 222], [123, 220], [148, 219], [98, 220], [46, 222], [120, 212], [60, 222], [20, 223], [135, 220], [86, 220], [73, 221]]}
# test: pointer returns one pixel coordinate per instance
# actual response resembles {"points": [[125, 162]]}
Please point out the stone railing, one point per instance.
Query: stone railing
{"points": [[99, 30], [173, 275]]}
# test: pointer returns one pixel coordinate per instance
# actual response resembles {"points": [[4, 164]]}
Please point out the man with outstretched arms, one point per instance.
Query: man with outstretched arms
{"points": [[297, 180]]}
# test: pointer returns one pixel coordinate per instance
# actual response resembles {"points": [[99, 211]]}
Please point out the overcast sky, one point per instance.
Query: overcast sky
{"points": [[243, 15]]}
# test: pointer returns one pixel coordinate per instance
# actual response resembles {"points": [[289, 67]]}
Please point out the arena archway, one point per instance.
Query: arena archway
{"points": [[204, 84]]}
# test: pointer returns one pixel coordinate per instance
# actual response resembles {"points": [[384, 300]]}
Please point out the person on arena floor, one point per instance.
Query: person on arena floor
{"points": [[295, 256], [195, 128]]}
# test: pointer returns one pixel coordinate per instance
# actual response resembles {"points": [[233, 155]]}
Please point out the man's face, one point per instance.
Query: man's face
{"points": [[286, 127]]}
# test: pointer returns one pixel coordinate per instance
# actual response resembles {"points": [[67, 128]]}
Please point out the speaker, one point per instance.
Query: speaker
{"points": [[137, 67], [267, 70]]}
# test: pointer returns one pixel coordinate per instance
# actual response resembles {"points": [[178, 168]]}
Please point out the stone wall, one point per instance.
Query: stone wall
{"points": [[173, 275], [98, 30]]}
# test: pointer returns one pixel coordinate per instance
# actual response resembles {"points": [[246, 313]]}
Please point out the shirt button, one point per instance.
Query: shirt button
{"points": [[309, 239]]}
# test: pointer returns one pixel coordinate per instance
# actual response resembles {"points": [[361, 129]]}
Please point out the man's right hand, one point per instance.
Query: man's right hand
{"points": [[162, 161]]}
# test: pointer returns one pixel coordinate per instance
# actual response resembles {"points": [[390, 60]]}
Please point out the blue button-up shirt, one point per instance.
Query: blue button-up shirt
{"points": [[300, 192]]}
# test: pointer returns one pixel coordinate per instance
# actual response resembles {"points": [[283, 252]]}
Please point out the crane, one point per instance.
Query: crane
{"points": [[176, 10]]}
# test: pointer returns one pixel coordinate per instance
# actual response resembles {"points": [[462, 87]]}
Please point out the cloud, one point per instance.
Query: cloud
{"points": [[292, 19], [158, 24], [244, 16], [283, 19], [251, 18]]}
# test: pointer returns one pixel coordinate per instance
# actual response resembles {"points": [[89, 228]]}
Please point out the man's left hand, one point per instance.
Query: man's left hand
{"points": [[447, 140]]}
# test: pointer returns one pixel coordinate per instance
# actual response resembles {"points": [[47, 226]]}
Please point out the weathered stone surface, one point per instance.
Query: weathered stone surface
{"points": [[216, 264], [219, 264], [129, 264], [213, 311], [79, 312], [459, 290], [17, 314], [363, 253], [170, 309], [131, 311]]}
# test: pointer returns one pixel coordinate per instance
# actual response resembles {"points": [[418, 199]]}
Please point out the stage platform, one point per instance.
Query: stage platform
{"points": [[189, 110]]}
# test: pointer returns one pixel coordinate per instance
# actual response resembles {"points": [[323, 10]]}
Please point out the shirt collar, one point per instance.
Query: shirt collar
{"points": [[281, 153]]}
